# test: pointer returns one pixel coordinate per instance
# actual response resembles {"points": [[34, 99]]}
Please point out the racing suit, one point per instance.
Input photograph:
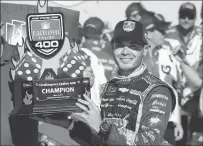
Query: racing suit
{"points": [[160, 64], [138, 106], [102, 50]]}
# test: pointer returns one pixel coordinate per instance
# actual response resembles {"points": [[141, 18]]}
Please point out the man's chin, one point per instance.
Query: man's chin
{"points": [[126, 67], [186, 27]]}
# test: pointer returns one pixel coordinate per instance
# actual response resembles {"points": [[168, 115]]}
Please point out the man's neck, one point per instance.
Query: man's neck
{"points": [[126, 73]]}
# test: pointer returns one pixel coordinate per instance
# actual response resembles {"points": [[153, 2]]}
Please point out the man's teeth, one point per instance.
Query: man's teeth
{"points": [[126, 59]]}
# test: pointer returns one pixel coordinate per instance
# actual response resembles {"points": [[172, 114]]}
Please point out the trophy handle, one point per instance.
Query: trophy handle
{"points": [[42, 8]]}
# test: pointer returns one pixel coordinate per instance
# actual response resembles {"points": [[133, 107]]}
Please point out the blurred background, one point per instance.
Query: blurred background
{"points": [[113, 11]]}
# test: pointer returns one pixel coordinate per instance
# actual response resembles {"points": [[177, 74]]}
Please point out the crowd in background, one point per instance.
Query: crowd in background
{"points": [[175, 56]]}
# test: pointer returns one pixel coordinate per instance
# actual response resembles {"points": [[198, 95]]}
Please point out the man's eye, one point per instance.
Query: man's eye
{"points": [[133, 46]]}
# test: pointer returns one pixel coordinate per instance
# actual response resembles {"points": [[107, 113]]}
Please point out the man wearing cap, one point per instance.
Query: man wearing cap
{"points": [[92, 29], [135, 105], [185, 41], [159, 63]]}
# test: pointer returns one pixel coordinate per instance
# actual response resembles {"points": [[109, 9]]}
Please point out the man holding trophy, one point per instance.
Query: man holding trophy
{"points": [[135, 105]]}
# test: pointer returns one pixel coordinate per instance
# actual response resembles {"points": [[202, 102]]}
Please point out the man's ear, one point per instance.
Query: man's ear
{"points": [[146, 48]]}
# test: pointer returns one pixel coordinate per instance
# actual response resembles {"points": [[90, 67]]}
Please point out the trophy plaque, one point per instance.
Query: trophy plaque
{"points": [[49, 76], [50, 96]]}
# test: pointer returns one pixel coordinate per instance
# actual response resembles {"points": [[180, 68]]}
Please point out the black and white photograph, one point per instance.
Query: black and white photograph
{"points": [[101, 73]]}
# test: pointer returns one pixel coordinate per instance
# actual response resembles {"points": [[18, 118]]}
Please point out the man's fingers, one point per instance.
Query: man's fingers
{"points": [[92, 104], [78, 117], [82, 107], [87, 97], [85, 102]]}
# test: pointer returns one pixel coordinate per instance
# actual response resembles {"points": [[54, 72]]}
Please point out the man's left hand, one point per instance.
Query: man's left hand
{"points": [[178, 132], [91, 113]]}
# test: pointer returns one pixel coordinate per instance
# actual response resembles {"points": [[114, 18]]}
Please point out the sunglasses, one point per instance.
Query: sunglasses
{"points": [[137, 47], [187, 15], [162, 31]]}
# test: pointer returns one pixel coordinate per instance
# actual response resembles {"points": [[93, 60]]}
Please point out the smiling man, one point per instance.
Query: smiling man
{"points": [[135, 105]]}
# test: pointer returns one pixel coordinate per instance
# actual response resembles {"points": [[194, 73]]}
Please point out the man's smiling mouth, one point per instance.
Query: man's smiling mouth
{"points": [[126, 59]]}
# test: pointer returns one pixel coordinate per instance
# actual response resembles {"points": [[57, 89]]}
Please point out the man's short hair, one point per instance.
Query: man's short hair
{"points": [[136, 6]]}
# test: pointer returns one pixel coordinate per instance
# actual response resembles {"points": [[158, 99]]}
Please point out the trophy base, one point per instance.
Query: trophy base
{"points": [[49, 96]]}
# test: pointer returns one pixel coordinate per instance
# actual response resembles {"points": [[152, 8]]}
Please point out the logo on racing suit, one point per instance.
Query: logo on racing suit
{"points": [[135, 92], [144, 139], [154, 120], [123, 90], [111, 90], [159, 103], [151, 135], [121, 125], [157, 130], [159, 96], [157, 110]]}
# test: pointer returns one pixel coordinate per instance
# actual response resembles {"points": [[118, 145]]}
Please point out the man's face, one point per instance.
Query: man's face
{"points": [[186, 20], [135, 16], [128, 56], [156, 37]]}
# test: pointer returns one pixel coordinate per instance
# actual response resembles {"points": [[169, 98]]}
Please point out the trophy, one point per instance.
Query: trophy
{"points": [[49, 76]]}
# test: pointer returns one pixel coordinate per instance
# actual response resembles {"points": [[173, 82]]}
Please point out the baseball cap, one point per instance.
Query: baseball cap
{"points": [[154, 21], [93, 27], [130, 30], [187, 9]]}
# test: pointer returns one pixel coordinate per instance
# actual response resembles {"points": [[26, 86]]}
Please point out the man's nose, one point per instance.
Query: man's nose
{"points": [[186, 19], [125, 50]]}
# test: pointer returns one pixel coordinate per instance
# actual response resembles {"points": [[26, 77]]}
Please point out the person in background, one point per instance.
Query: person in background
{"points": [[135, 11], [79, 38], [158, 62], [107, 34], [92, 29], [185, 41], [96, 66]]}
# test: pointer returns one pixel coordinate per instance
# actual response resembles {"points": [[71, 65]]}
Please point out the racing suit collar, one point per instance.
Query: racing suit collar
{"points": [[133, 74]]}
